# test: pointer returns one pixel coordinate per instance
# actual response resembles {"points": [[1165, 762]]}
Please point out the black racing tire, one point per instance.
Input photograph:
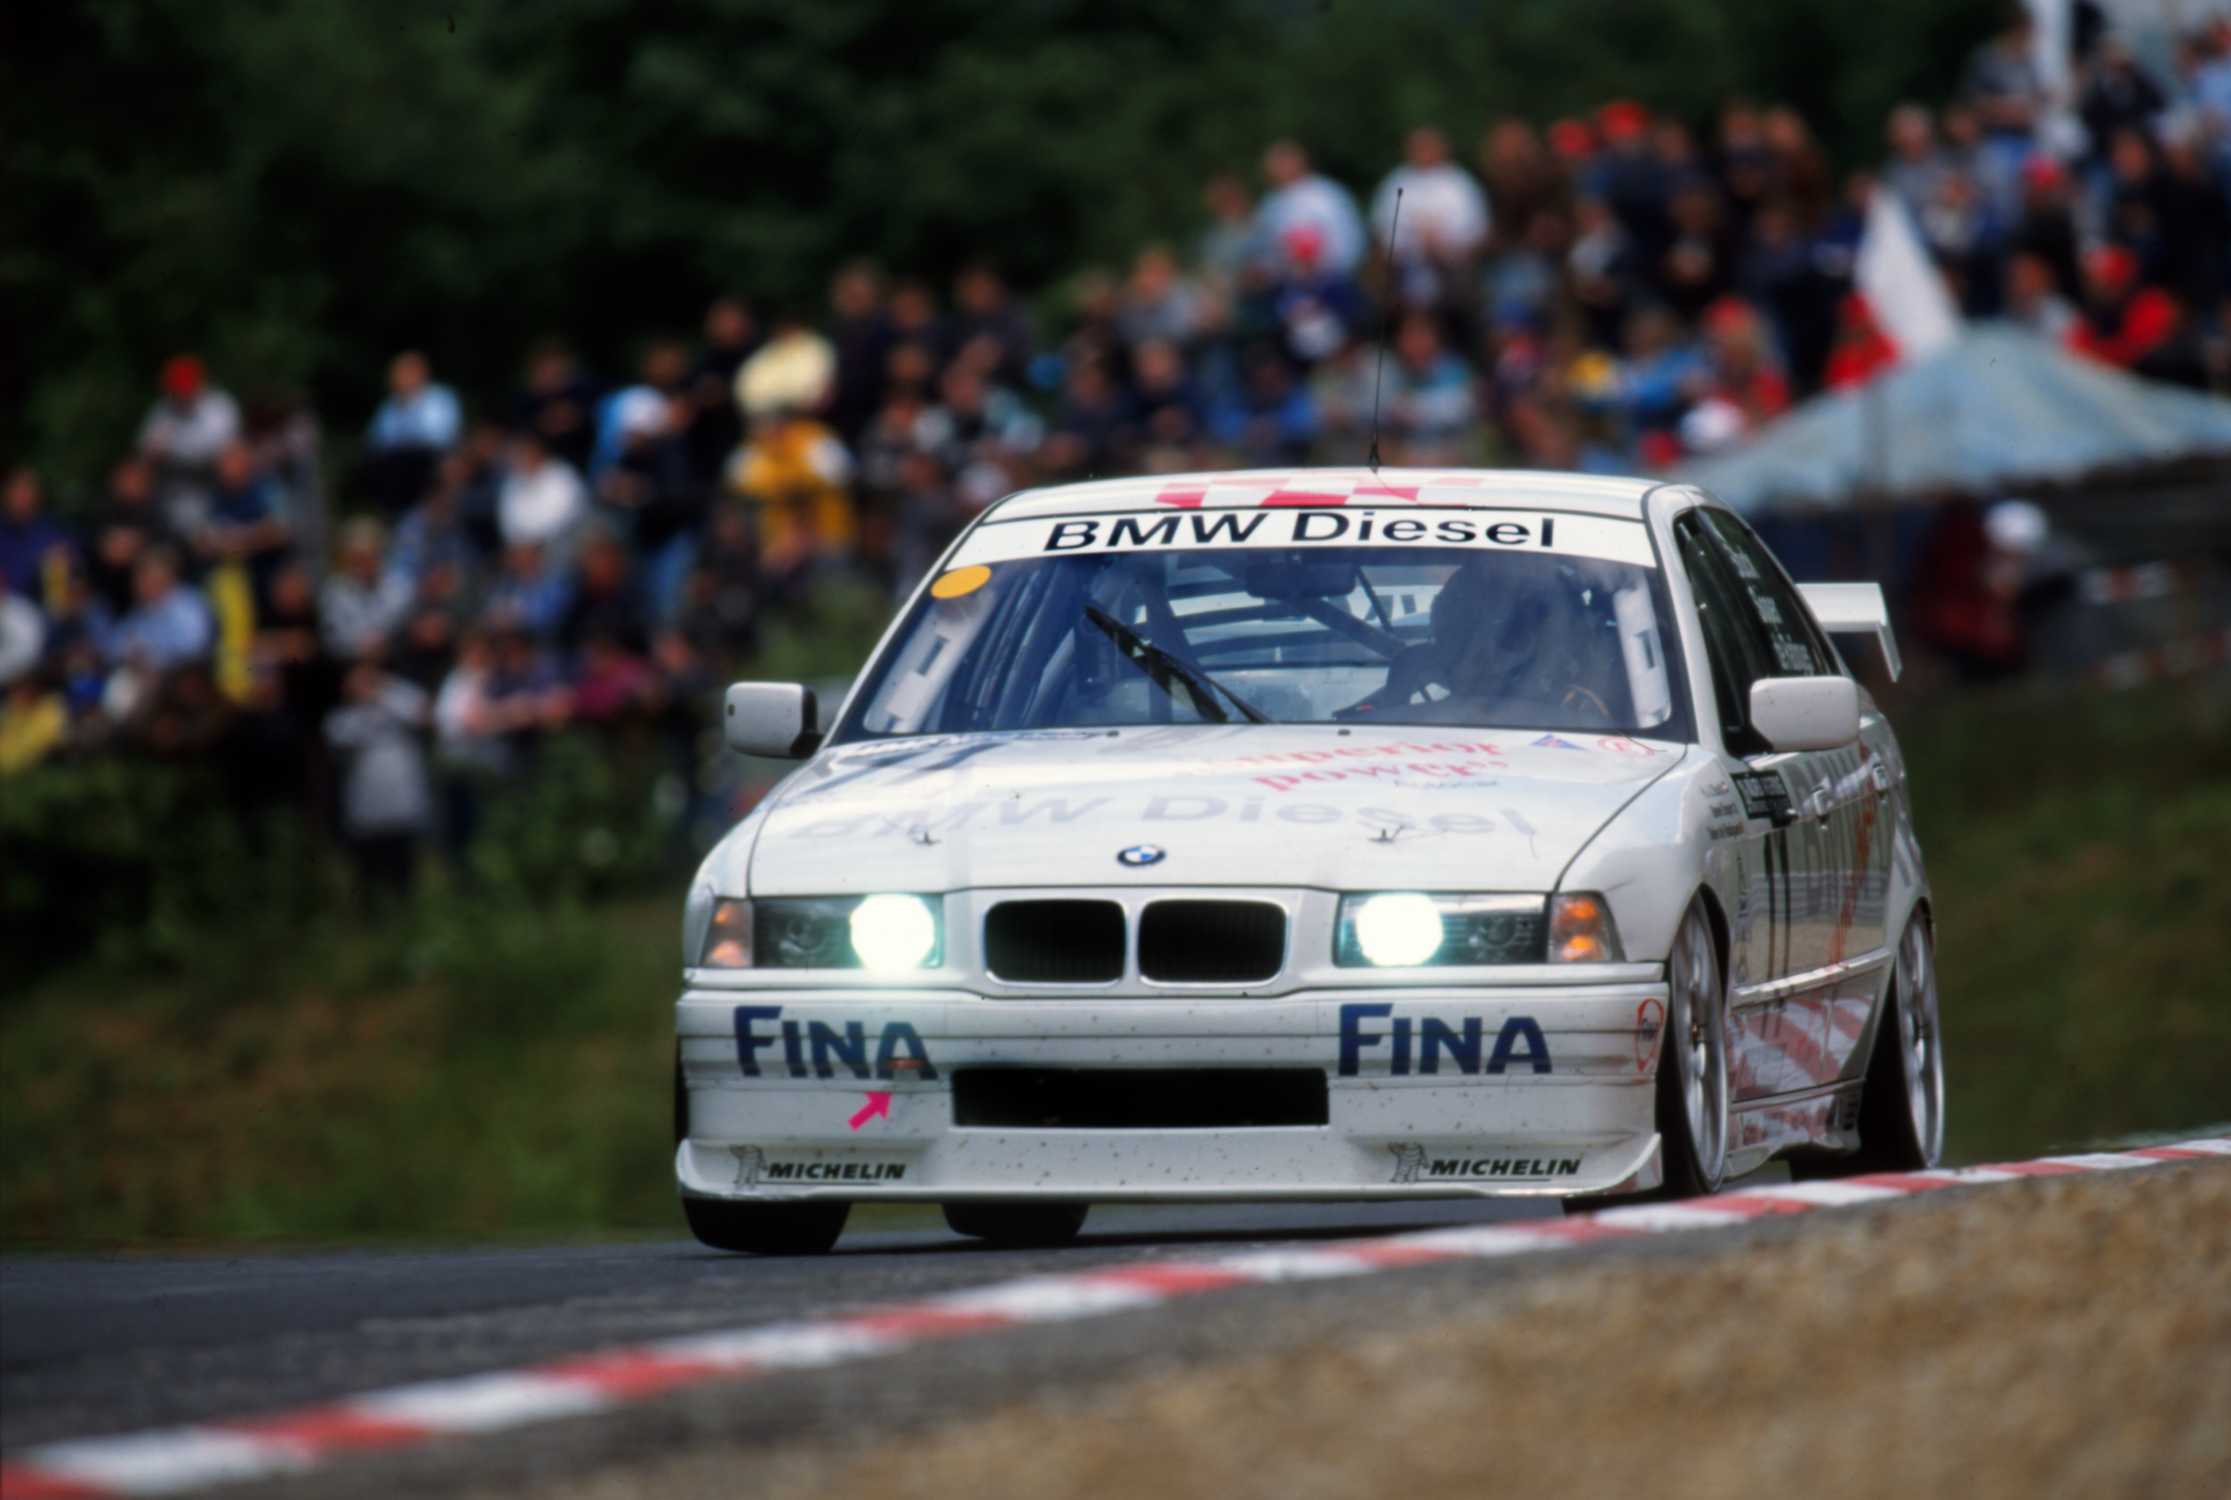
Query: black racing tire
{"points": [[1038, 1224], [681, 1099], [1901, 1104], [766, 1228], [1693, 1087]]}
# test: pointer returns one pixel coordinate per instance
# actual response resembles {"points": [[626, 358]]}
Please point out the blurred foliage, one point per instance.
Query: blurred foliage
{"points": [[2075, 851], [831, 639], [141, 861], [296, 189], [150, 866], [582, 822]]}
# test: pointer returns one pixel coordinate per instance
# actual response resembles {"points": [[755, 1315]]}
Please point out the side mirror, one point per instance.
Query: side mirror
{"points": [[779, 720], [1806, 713]]}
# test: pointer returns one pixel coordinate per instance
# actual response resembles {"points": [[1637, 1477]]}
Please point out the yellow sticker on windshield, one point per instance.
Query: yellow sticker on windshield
{"points": [[961, 582]]}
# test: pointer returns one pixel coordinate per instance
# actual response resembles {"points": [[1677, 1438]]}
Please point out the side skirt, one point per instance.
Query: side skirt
{"points": [[1761, 1129]]}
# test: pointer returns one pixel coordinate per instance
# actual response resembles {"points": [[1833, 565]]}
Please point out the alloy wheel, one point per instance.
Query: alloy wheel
{"points": [[1696, 1043], [1920, 1048]]}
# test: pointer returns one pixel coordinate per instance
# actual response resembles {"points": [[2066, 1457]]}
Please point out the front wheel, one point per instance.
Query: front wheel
{"points": [[1017, 1223], [766, 1228], [1693, 1063]]}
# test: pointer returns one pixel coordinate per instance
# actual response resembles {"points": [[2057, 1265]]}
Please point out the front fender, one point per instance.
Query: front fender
{"points": [[1651, 859]]}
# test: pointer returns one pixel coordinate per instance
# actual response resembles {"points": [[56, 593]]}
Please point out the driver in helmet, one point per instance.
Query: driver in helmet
{"points": [[1513, 640]]}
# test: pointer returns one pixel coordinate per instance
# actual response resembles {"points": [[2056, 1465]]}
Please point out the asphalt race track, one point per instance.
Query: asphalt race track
{"points": [[96, 1345]]}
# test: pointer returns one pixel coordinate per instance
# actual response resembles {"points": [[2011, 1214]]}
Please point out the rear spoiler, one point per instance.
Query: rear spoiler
{"points": [[1854, 609]]}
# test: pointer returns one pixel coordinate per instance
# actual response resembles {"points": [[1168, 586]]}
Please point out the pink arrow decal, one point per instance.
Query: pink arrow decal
{"points": [[878, 1107]]}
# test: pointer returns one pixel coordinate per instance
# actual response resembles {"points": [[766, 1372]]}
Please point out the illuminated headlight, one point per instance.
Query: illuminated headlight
{"points": [[1406, 929], [1581, 930], [892, 934], [883, 934], [1394, 930]]}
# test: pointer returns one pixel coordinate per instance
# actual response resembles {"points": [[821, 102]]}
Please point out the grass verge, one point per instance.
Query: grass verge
{"points": [[2076, 851], [453, 1074]]}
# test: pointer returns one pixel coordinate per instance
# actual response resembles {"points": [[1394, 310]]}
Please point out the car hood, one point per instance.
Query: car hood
{"points": [[1285, 805]]}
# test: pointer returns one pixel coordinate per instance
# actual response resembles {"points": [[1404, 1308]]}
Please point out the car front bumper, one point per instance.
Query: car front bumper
{"points": [[1429, 1093]]}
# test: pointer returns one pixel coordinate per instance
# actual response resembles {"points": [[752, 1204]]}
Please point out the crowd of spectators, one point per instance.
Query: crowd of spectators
{"points": [[1610, 293]]}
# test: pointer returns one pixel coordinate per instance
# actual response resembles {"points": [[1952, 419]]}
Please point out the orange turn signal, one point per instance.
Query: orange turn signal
{"points": [[728, 935], [1581, 930]]}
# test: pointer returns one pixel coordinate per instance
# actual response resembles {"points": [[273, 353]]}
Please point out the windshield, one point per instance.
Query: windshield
{"points": [[1087, 623]]}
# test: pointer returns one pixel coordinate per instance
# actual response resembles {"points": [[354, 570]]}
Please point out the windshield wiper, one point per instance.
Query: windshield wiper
{"points": [[1160, 666]]}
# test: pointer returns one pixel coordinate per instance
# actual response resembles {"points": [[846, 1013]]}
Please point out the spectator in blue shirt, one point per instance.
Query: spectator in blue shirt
{"points": [[418, 412], [524, 693], [169, 626], [2205, 60], [529, 593], [1432, 404], [34, 547], [1665, 371], [436, 534], [242, 523], [2009, 97], [1275, 419], [417, 423]]}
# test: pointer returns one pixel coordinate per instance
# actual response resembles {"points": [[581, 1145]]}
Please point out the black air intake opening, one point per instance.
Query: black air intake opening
{"points": [[1212, 942], [1139, 1098], [1054, 942]]}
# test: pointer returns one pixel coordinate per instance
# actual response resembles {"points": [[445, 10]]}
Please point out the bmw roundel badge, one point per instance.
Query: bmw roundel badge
{"points": [[1141, 855]]}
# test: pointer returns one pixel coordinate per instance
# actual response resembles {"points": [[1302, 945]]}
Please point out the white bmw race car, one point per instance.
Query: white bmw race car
{"points": [[1321, 835]]}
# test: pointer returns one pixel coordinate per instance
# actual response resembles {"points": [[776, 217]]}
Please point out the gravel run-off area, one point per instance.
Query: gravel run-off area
{"points": [[2058, 1336]]}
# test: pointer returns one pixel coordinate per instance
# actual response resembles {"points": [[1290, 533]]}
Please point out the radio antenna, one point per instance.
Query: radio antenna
{"points": [[1386, 316]]}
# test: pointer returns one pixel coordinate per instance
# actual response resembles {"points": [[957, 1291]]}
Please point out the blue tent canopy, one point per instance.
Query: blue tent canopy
{"points": [[2000, 408]]}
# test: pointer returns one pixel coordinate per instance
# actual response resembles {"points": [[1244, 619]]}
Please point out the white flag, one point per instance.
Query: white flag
{"points": [[1902, 287]]}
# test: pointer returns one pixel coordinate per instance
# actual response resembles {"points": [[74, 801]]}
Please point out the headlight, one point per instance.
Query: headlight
{"points": [[1395, 930], [893, 933], [1581, 930], [883, 934], [1406, 929], [807, 934]]}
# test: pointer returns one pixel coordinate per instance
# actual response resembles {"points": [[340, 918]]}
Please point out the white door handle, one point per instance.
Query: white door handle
{"points": [[1821, 803]]}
